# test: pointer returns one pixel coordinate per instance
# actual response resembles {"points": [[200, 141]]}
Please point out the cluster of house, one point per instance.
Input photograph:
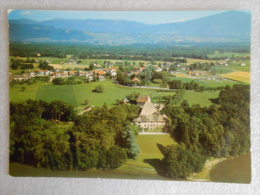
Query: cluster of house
{"points": [[198, 73], [100, 74], [149, 117], [227, 61]]}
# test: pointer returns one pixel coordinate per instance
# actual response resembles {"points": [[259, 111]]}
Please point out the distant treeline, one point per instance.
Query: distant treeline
{"points": [[130, 52]]}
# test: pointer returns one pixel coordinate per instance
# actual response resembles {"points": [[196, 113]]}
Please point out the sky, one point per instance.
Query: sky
{"points": [[147, 17]]}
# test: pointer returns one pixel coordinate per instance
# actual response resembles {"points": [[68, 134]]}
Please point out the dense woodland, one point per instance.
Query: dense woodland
{"points": [[101, 138], [220, 130], [129, 52]]}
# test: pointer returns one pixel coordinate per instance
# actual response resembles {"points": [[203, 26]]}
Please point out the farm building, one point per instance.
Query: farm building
{"points": [[150, 117]]}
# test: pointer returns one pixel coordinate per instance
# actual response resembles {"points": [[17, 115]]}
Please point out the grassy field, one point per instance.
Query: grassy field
{"points": [[76, 94], [228, 54], [30, 92], [205, 82], [201, 98], [149, 153], [238, 76]]}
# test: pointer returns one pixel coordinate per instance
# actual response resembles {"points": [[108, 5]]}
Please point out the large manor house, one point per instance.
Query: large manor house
{"points": [[150, 117]]}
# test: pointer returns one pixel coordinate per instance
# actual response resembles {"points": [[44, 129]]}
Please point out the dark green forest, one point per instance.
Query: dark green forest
{"points": [[101, 138], [128, 52], [220, 130]]}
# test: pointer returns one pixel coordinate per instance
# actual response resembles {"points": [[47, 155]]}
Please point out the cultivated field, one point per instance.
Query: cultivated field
{"points": [[238, 76], [195, 60]]}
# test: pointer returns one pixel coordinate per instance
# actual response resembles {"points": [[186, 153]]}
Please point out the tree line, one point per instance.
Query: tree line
{"points": [[21, 64], [192, 85], [128, 52]]}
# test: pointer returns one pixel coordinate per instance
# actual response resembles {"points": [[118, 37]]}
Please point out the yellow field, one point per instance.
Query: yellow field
{"points": [[194, 60], [181, 75], [71, 66], [238, 76]]}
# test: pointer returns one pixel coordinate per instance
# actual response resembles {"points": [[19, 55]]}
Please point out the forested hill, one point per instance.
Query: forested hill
{"points": [[230, 26]]}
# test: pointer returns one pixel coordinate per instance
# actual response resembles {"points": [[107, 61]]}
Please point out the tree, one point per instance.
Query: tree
{"points": [[133, 97], [23, 88], [15, 64], [175, 84], [86, 151], [116, 156], [45, 66], [181, 162], [58, 81], [130, 142], [98, 89], [91, 66]]}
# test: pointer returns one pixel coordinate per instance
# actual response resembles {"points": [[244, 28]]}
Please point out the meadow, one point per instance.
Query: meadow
{"points": [[218, 54], [77, 94], [203, 81]]}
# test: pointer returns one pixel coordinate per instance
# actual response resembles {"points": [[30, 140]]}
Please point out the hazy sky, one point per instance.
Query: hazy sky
{"points": [[148, 17]]}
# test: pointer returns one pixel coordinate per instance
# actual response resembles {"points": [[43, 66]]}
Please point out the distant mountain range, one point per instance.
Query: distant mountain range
{"points": [[230, 26]]}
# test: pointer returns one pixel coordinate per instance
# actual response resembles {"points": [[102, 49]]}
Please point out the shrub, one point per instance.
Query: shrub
{"points": [[98, 89]]}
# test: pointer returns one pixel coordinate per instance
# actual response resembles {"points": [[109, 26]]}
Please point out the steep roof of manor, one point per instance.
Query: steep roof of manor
{"points": [[148, 109], [142, 98]]}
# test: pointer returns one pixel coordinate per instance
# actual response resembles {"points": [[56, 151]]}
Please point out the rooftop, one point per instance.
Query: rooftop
{"points": [[142, 98], [148, 109]]}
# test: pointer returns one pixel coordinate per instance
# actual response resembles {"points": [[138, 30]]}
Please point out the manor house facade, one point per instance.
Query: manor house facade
{"points": [[150, 117]]}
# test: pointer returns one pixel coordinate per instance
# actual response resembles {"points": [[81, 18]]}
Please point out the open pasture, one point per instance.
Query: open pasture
{"points": [[217, 54], [206, 81], [77, 94]]}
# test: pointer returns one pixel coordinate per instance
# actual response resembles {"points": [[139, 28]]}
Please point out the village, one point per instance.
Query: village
{"points": [[109, 70]]}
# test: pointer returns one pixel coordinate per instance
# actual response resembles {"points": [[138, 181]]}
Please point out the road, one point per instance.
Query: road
{"points": [[148, 87]]}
